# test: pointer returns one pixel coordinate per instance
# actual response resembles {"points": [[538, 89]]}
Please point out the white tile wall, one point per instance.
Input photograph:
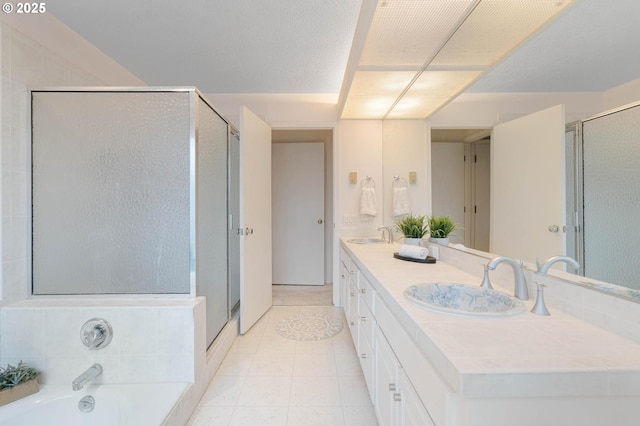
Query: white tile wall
{"points": [[150, 343]]}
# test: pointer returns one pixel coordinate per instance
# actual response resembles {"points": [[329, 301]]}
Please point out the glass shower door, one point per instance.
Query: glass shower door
{"points": [[110, 198]]}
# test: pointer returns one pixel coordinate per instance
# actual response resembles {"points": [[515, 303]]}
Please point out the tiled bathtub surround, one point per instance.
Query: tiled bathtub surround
{"points": [[154, 340]]}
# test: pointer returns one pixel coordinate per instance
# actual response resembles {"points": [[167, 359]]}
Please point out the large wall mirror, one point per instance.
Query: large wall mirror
{"points": [[554, 189]]}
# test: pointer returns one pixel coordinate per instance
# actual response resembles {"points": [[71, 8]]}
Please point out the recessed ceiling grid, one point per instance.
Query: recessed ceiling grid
{"points": [[408, 32], [455, 42]]}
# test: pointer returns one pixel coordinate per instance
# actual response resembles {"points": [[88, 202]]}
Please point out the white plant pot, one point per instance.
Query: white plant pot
{"points": [[443, 241], [413, 241]]}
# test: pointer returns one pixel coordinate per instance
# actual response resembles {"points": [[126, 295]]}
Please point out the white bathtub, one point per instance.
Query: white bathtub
{"points": [[115, 405]]}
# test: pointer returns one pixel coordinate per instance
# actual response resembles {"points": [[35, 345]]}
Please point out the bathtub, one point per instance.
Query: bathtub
{"points": [[115, 405]]}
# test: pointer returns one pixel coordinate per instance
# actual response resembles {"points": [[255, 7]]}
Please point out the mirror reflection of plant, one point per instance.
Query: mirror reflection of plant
{"points": [[441, 226], [13, 376], [413, 226]]}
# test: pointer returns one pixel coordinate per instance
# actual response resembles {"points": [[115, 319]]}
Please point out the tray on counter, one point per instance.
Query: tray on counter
{"points": [[429, 259]]}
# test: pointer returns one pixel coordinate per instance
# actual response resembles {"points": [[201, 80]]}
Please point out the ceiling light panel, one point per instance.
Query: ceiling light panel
{"points": [[494, 29], [410, 32], [372, 93], [432, 90]]}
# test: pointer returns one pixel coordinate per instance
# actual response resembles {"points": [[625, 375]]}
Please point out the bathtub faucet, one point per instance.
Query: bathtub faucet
{"points": [[90, 373]]}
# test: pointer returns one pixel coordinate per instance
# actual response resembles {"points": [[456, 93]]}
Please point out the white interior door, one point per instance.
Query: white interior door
{"points": [[527, 185], [255, 219], [298, 213], [481, 205], [447, 183]]}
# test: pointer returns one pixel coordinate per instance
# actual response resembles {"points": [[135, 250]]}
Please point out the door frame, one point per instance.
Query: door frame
{"points": [[331, 242]]}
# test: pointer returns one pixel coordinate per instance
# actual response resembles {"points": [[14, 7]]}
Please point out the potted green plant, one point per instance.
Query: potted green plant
{"points": [[440, 227], [414, 228], [17, 382]]}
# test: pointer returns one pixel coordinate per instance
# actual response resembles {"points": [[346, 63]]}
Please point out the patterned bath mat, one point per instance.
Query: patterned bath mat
{"points": [[309, 326]]}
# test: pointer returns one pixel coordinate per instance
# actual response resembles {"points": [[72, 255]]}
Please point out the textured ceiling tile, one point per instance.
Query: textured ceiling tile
{"points": [[408, 32], [494, 28]]}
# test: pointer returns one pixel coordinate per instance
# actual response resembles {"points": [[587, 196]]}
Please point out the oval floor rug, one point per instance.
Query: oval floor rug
{"points": [[309, 326]]}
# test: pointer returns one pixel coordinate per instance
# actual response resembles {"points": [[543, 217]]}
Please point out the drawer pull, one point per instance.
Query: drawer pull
{"points": [[392, 387], [363, 356], [352, 294], [363, 291], [343, 276], [363, 319], [397, 397], [352, 323]]}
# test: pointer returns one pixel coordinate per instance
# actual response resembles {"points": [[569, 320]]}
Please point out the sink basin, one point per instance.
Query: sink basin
{"points": [[366, 240], [464, 300]]}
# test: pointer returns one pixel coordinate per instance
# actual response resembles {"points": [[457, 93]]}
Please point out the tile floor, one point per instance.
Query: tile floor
{"points": [[302, 295], [267, 380]]}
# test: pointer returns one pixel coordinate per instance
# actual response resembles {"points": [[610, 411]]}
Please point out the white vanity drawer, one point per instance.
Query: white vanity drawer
{"points": [[352, 314], [367, 293], [367, 323], [432, 390], [367, 362]]}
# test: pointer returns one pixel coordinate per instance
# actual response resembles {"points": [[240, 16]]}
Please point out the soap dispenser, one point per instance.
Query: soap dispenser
{"points": [[540, 308]]}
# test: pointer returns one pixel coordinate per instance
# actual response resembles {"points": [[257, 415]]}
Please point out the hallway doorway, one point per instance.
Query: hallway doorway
{"points": [[301, 137]]}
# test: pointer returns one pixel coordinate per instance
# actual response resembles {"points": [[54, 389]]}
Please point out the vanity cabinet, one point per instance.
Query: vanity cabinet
{"points": [[426, 369], [396, 401], [358, 308], [412, 412]]}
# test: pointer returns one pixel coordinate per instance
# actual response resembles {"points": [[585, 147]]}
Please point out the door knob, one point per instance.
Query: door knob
{"points": [[553, 228], [320, 221]]}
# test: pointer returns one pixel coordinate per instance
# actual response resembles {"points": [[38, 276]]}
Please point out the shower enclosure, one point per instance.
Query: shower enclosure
{"points": [[130, 195]]}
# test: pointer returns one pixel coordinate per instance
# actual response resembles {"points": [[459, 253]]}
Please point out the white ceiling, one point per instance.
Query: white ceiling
{"points": [[302, 46]]}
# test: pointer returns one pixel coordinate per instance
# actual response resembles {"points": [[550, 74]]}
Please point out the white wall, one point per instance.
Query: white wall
{"points": [[406, 148], [484, 110], [359, 151], [281, 111], [622, 95]]}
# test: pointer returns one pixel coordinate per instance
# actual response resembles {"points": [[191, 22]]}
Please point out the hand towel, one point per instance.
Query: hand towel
{"points": [[401, 206], [414, 252], [368, 205]]}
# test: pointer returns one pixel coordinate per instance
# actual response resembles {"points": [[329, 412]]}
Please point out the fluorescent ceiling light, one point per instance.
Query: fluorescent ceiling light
{"points": [[434, 49]]}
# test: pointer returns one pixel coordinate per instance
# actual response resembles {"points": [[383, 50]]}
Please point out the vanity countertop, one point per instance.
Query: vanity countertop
{"points": [[526, 355]]}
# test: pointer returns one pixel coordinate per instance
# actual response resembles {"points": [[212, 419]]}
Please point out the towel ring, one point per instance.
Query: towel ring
{"points": [[367, 182], [399, 182]]}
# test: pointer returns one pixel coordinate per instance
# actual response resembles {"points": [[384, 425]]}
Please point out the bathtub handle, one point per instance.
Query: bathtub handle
{"points": [[96, 333]]}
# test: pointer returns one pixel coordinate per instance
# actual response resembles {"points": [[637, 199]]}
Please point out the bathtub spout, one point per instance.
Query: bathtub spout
{"points": [[90, 373]]}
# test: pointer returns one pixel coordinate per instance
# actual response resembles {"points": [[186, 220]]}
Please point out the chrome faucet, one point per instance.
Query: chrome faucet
{"points": [[546, 264], [89, 374], [389, 232], [521, 291]]}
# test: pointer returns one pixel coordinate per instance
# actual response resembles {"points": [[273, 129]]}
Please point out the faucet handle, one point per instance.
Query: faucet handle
{"points": [[540, 308], [486, 283], [96, 333]]}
